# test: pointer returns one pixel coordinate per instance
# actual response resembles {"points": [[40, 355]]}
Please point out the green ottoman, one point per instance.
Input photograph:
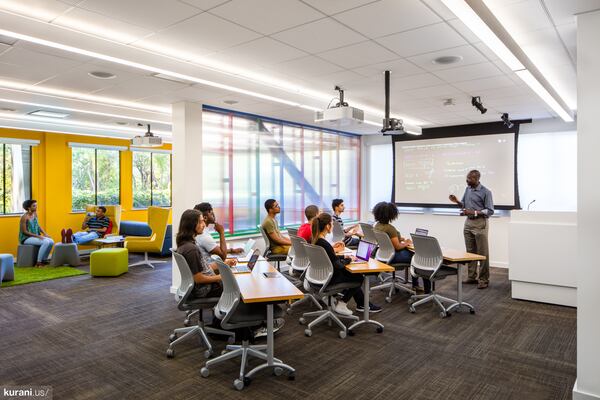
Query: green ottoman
{"points": [[109, 262]]}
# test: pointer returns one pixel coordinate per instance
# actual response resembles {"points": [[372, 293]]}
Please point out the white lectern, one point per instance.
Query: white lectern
{"points": [[542, 256]]}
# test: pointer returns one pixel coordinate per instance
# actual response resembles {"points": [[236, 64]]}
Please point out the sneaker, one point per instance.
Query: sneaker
{"points": [[482, 285], [262, 331], [372, 308], [342, 308]]}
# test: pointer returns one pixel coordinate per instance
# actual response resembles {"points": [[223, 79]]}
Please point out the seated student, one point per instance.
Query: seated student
{"points": [[384, 214], [321, 226], [279, 243], [305, 230], [93, 228], [206, 282], [30, 232], [206, 243], [337, 205]]}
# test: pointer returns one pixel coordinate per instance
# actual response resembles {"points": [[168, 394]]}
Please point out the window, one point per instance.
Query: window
{"points": [[15, 177], [151, 179], [95, 177], [247, 160]]}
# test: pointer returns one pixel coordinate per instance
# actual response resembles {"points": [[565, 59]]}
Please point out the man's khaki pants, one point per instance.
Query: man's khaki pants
{"points": [[476, 241]]}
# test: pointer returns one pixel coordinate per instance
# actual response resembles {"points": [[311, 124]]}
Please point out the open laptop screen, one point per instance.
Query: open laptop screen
{"points": [[421, 231], [364, 250]]}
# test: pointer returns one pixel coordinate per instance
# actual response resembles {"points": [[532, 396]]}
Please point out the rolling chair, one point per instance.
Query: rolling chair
{"points": [[292, 231], [427, 263], [385, 254], [234, 314], [317, 277], [276, 258], [185, 302], [368, 232], [300, 264], [338, 233]]}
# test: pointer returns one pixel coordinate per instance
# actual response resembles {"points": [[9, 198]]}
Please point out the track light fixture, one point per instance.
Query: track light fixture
{"points": [[506, 121], [476, 102]]}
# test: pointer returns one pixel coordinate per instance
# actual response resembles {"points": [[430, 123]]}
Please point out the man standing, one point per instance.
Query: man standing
{"points": [[337, 205], [279, 244], [477, 205], [208, 246]]}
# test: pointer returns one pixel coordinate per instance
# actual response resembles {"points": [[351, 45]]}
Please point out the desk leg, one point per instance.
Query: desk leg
{"points": [[365, 319], [460, 303], [278, 366]]}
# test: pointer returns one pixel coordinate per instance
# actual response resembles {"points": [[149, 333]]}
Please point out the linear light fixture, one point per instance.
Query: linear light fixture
{"points": [[49, 114], [482, 22]]}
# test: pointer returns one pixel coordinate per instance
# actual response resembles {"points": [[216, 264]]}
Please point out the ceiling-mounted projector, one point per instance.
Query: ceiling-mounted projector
{"points": [[340, 114], [148, 140]]}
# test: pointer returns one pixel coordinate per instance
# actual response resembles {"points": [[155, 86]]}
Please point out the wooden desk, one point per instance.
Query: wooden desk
{"points": [[256, 288], [371, 267], [460, 258]]}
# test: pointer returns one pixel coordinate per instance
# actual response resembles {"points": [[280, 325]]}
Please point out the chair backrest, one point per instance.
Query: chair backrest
{"points": [[386, 251], [112, 212], [428, 253], [292, 231], [158, 219], [230, 298], [300, 261], [320, 270], [337, 231], [187, 279], [266, 239], [368, 233]]}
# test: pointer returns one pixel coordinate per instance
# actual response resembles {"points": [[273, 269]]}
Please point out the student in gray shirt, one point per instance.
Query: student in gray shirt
{"points": [[477, 205]]}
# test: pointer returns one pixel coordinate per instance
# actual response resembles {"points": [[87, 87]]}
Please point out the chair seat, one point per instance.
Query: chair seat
{"points": [[251, 313], [336, 288], [196, 303], [443, 272], [276, 257]]}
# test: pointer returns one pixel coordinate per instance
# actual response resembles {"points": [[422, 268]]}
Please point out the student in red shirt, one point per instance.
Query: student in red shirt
{"points": [[305, 229]]}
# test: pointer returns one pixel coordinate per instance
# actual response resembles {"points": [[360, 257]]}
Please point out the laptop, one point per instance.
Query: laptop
{"points": [[364, 251], [421, 232], [246, 268], [247, 251]]}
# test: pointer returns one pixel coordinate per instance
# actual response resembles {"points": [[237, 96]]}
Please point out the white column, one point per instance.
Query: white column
{"points": [[187, 164], [587, 385]]}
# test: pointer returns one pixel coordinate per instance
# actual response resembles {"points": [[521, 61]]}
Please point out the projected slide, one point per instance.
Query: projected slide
{"points": [[427, 171]]}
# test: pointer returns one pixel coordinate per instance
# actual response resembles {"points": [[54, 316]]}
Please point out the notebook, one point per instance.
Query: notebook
{"points": [[243, 268], [364, 251]]}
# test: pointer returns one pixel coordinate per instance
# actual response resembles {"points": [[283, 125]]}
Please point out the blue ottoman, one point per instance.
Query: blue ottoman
{"points": [[7, 267]]}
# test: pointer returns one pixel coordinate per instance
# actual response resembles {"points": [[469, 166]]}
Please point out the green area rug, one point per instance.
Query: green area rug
{"points": [[24, 275]]}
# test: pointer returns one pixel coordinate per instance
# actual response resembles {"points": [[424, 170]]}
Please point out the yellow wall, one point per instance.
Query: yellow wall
{"points": [[51, 185]]}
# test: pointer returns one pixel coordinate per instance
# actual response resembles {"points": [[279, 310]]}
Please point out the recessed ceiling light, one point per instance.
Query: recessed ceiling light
{"points": [[230, 102], [50, 114], [170, 78], [122, 123], [8, 109], [102, 75], [445, 60]]}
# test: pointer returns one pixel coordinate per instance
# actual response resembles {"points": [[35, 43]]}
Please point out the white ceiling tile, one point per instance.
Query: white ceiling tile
{"points": [[39, 49], [204, 31], [140, 88], [472, 87], [422, 40], [464, 31], [330, 7], [568, 34], [319, 36], [388, 16], [342, 78], [3, 48], [469, 55], [267, 16], [78, 78], [469, 72], [414, 81], [307, 67], [263, 51], [29, 59], [432, 92], [45, 10], [440, 9], [154, 14], [94, 23], [487, 53], [561, 11], [204, 4], [399, 67], [520, 17], [358, 55], [31, 75]]}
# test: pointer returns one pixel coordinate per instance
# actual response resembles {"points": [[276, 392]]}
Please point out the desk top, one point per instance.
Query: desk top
{"points": [[453, 255], [370, 267], [256, 288]]}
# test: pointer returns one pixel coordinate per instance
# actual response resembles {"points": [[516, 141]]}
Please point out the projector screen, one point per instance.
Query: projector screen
{"points": [[427, 171]]}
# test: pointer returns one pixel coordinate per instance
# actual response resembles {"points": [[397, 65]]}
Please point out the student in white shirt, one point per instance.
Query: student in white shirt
{"points": [[206, 243]]}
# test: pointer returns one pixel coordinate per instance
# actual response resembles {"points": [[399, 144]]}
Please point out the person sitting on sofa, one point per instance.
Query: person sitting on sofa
{"points": [[94, 227], [30, 232]]}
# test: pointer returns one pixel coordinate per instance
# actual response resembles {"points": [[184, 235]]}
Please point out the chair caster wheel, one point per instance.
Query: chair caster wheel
{"points": [[350, 333], [412, 309], [379, 329], [208, 353], [289, 311], [238, 384], [443, 314], [186, 322], [307, 333], [170, 353], [388, 299], [277, 371], [204, 372], [172, 337], [342, 334], [410, 301], [292, 376], [231, 340], [302, 321], [472, 311]]}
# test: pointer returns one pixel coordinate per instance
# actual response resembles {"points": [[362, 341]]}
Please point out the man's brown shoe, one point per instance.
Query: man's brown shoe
{"points": [[469, 281], [482, 285]]}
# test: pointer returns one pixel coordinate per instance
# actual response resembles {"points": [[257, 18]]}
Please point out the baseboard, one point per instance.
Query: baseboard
{"points": [[499, 264], [552, 294], [579, 395]]}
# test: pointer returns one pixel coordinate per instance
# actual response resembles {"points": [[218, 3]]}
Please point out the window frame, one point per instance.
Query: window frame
{"points": [[151, 175], [96, 148], [3, 149]]}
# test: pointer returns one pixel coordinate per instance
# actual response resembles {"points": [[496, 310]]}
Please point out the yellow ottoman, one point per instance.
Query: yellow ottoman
{"points": [[109, 262]]}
